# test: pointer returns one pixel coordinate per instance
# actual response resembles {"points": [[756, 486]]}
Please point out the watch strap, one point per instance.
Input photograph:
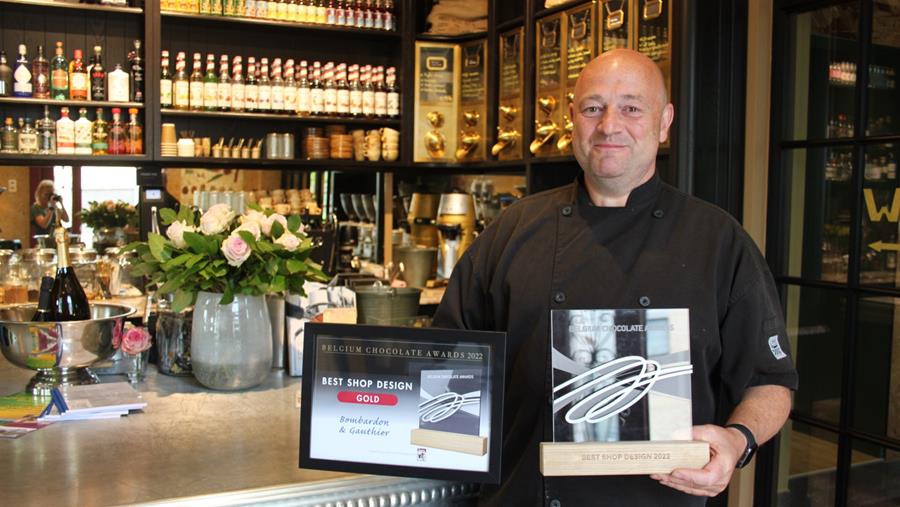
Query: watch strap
{"points": [[750, 449]]}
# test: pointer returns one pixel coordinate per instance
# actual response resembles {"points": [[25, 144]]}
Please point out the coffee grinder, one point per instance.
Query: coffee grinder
{"points": [[456, 229], [423, 210]]}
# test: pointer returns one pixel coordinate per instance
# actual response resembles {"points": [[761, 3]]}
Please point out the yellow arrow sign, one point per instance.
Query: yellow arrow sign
{"points": [[880, 245]]}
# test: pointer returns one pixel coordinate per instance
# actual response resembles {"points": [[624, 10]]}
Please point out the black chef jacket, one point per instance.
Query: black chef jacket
{"points": [[663, 249]]}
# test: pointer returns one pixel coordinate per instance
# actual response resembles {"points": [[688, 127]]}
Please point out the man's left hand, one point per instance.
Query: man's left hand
{"points": [[725, 447]]}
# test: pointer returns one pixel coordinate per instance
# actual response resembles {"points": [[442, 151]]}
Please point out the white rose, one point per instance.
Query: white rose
{"points": [[255, 217], [176, 231], [235, 250], [288, 241], [216, 219], [271, 219], [251, 227]]}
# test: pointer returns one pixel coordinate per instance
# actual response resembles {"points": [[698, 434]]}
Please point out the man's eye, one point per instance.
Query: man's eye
{"points": [[591, 111], [632, 109]]}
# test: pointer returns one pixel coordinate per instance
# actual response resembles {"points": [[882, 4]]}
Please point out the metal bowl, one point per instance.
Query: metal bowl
{"points": [[60, 351]]}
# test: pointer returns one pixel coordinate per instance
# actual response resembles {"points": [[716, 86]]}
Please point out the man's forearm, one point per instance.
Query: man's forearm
{"points": [[763, 410]]}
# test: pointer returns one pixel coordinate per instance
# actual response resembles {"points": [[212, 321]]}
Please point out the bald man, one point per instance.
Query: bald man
{"points": [[618, 238]]}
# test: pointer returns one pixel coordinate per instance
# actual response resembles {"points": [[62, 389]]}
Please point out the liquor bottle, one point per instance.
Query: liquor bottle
{"points": [[329, 95], [264, 102], [9, 137], [283, 10], [59, 74], [22, 74], [46, 128], [82, 133], [380, 93], [368, 94], [28, 139], [134, 134], [388, 15], [355, 92], [316, 91], [98, 76], [377, 17], [223, 86], [165, 82], [237, 85], [251, 89], [321, 12], [349, 14], [6, 76], [360, 15], [210, 84], [65, 133], [100, 135], [330, 13], [119, 85], [42, 314], [342, 106], [182, 95], [340, 14], [196, 99], [67, 298], [277, 87], [117, 137], [78, 78], [136, 63], [303, 90], [40, 67], [293, 10], [393, 93], [290, 87]]}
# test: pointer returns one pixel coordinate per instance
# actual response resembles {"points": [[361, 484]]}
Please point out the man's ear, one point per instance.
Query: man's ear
{"points": [[665, 121]]}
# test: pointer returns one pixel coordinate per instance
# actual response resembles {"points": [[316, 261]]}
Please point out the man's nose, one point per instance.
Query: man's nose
{"points": [[609, 122]]}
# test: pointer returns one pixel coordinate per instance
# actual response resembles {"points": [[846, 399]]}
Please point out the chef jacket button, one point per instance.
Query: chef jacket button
{"points": [[559, 297], [644, 301], [566, 211], [555, 503], [658, 213]]}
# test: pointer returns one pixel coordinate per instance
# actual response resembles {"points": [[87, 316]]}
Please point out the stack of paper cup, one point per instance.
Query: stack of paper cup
{"points": [[168, 141], [390, 144]]}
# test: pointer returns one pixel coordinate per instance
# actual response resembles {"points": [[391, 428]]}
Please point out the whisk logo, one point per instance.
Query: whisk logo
{"points": [[612, 387], [445, 405]]}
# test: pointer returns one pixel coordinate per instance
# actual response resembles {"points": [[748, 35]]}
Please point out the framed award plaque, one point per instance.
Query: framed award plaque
{"points": [[580, 50], [437, 98], [548, 100], [621, 393], [411, 402], [472, 101]]}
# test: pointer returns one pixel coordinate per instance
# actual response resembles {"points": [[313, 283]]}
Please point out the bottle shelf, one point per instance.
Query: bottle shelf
{"points": [[262, 163], [27, 159], [70, 103], [75, 6], [377, 122], [215, 18]]}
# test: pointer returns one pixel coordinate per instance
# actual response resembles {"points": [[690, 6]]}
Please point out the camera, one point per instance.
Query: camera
{"points": [[56, 198]]}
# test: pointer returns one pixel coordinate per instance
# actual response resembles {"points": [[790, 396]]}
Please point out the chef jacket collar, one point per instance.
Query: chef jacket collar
{"points": [[641, 196]]}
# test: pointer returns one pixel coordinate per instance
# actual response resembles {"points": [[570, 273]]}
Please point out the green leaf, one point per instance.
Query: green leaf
{"points": [[195, 258], [293, 224], [181, 259], [278, 284], [168, 216], [199, 244], [228, 296], [157, 246], [277, 230], [248, 238], [186, 214], [295, 266], [183, 299], [170, 286]]}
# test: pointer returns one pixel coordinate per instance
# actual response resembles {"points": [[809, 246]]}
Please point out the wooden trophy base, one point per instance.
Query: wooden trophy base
{"points": [[456, 442], [621, 458]]}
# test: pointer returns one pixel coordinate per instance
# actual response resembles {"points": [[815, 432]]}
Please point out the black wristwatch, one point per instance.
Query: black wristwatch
{"points": [[751, 448]]}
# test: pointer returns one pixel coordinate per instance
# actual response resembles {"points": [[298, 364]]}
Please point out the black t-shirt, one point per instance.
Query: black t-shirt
{"points": [[664, 249]]}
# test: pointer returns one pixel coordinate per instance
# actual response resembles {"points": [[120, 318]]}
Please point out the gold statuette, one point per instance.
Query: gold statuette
{"points": [[435, 142], [506, 138]]}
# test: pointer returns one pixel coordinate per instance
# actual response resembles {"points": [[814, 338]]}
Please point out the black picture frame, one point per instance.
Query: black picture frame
{"points": [[494, 367]]}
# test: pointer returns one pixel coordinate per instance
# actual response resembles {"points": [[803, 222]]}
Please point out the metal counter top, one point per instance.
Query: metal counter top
{"points": [[231, 448]]}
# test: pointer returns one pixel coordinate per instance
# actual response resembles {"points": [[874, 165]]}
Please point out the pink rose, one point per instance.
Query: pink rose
{"points": [[176, 231], [271, 219], [135, 340], [235, 250], [251, 227], [216, 219], [117, 335], [253, 216]]}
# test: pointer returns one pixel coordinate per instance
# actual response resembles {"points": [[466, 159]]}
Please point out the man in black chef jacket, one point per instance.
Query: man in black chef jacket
{"points": [[619, 238]]}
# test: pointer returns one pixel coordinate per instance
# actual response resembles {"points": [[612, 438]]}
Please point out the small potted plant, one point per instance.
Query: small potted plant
{"points": [[109, 220], [224, 264]]}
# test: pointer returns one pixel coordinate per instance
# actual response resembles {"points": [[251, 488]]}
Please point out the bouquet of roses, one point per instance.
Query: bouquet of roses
{"points": [[109, 214], [257, 253]]}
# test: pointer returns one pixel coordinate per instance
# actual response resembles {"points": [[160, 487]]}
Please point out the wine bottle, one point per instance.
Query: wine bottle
{"points": [[67, 298], [42, 314]]}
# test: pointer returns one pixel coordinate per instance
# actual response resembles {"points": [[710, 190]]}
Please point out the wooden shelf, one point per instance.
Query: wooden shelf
{"points": [[282, 117], [350, 165], [388, 34], [24, 159], [75, 6], [70, 103], [450, 38], [509, 24]]}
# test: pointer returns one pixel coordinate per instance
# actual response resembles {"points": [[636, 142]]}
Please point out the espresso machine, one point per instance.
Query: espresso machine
{"points": [[456, 229], [423, 211]]}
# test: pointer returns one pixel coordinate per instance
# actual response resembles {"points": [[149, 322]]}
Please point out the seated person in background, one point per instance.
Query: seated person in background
{"points": [[48, 209]]}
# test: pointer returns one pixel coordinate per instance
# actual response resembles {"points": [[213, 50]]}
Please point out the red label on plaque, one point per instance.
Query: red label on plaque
{"points": [[367, 398]]}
